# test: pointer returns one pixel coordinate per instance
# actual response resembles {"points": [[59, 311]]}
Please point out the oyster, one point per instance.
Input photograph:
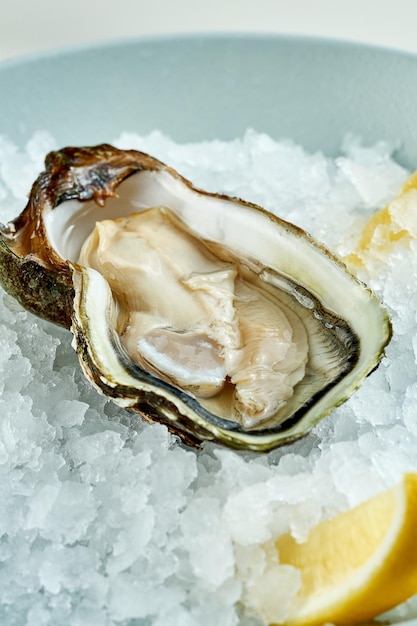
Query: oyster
{"points": [[197, 310]]}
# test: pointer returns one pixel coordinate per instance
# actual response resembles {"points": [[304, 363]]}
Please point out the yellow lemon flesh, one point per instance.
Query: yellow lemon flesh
{"points": [[359, 564], [396, 223]]}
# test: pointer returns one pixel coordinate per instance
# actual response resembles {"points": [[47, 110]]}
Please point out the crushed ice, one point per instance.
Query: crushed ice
{"points": [[106, 521]]}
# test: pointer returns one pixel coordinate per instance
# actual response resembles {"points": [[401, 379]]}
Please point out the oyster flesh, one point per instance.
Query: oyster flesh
{"points": [[197, 310]]}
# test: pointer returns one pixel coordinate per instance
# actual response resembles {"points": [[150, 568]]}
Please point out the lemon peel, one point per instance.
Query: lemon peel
{"points": [[394, 224], [358, 564]]}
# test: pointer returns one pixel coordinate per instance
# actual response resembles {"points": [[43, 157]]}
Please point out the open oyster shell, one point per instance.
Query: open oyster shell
{"points": [[196, 310]]}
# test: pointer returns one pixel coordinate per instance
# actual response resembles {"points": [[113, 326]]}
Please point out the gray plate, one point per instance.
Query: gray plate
{"points": [[215, 86]]}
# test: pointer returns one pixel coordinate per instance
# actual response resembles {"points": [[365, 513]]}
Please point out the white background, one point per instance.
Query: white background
{"points": [[28, 26]]}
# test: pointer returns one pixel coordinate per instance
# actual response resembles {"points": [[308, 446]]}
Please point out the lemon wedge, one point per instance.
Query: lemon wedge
{"points": [[359, 564], [396, 223]]}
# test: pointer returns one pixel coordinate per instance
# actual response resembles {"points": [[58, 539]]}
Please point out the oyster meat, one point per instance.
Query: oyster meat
{"points": [[197, 310], [187, 315]]}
